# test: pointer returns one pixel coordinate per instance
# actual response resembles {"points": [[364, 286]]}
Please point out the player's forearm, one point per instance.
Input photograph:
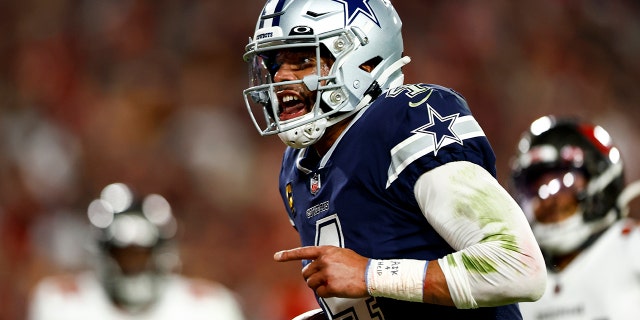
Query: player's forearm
{"points": [[436, 290], [435, 286]]}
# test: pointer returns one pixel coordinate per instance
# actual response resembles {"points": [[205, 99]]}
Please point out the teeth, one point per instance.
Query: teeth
{"points": [[289, 98]]}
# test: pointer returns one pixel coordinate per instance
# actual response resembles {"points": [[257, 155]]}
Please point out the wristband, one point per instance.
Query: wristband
{"points": [[401, 279]]}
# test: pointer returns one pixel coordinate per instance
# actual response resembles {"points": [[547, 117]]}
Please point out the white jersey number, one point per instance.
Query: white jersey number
{"points": [[329, 232]]}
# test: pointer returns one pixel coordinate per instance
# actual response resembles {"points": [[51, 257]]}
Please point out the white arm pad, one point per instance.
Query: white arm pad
{"points": [[498, 260]]}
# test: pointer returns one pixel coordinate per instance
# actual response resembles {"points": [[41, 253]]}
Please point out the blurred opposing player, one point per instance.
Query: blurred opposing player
{"points": [[133, 276], [391, 187], [568, 177]]}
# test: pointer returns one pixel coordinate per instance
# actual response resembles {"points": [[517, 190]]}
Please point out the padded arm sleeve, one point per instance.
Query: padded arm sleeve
{"points": [[498, 260]]}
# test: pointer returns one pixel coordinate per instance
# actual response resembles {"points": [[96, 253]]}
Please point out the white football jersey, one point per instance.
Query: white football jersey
{"points": [[82, 297], [602, 283]]}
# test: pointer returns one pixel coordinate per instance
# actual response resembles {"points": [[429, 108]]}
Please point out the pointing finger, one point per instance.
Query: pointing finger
{"points": [[309, 253]]}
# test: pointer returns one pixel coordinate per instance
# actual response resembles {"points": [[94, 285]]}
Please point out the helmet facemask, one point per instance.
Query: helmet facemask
{"points": [[554, 204], [325, 96], [131, 277]]}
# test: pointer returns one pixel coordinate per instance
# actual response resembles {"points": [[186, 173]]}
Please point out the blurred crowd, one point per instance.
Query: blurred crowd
{"points": [[148, 92]]}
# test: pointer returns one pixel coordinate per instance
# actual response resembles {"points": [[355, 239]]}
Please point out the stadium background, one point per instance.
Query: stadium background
{"points": [[149, 92]]}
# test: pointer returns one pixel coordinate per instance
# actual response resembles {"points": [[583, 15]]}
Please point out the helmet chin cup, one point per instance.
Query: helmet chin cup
{"points": [[562, 237], [305, 135], [566, 236]]}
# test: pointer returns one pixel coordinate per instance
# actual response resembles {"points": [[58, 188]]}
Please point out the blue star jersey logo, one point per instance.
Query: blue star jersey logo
{"points": [[440, 128], [352, 8]]}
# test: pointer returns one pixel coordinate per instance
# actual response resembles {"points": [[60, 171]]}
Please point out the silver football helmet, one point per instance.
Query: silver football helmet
{"points": [[134, 249], [352, 33]]}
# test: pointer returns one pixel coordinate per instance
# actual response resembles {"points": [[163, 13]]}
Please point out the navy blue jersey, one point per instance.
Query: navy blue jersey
{"points": [[360, 194]]}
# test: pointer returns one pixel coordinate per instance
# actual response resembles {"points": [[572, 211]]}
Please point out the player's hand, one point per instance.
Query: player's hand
{"points": [[333, 271]]}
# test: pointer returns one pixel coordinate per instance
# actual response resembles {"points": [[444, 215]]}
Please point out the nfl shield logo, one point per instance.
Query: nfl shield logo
{"points": [[315, 183]]}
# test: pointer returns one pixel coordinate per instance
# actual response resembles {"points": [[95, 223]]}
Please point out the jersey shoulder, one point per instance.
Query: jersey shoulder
{"points": [[421, 95], [425, 126], [198, 288], [66, 285], [68, 297], [201, 297], [402, 109]]}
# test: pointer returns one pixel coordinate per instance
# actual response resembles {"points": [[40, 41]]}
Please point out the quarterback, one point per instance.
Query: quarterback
{"points": [[391, 186]]}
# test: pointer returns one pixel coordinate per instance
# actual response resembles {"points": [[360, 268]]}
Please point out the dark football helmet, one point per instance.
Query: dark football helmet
{"points": [[134, 238], [552, 157]]}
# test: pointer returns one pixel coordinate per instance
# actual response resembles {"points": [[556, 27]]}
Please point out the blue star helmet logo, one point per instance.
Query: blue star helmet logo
{"points": [[440, 128], [352, 8]]}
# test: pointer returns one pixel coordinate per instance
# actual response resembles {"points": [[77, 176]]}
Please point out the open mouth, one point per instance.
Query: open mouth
{"points": [[291, 105]]}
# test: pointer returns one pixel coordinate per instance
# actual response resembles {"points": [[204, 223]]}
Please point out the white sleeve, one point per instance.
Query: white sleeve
{"points": [[48, 301], [497, 259]]}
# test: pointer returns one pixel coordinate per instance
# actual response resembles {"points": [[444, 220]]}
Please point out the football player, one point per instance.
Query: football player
{"points": [[568, 177], [134, 277], [390, 186]]}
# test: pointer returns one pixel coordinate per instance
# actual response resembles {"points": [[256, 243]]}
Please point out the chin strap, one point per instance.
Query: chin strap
{"points": [[373, 91]]}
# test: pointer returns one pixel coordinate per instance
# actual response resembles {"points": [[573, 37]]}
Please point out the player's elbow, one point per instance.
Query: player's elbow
{"points": [[531, 282], [536, 275], [528, 286], [522, 279], [536, 281]]}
